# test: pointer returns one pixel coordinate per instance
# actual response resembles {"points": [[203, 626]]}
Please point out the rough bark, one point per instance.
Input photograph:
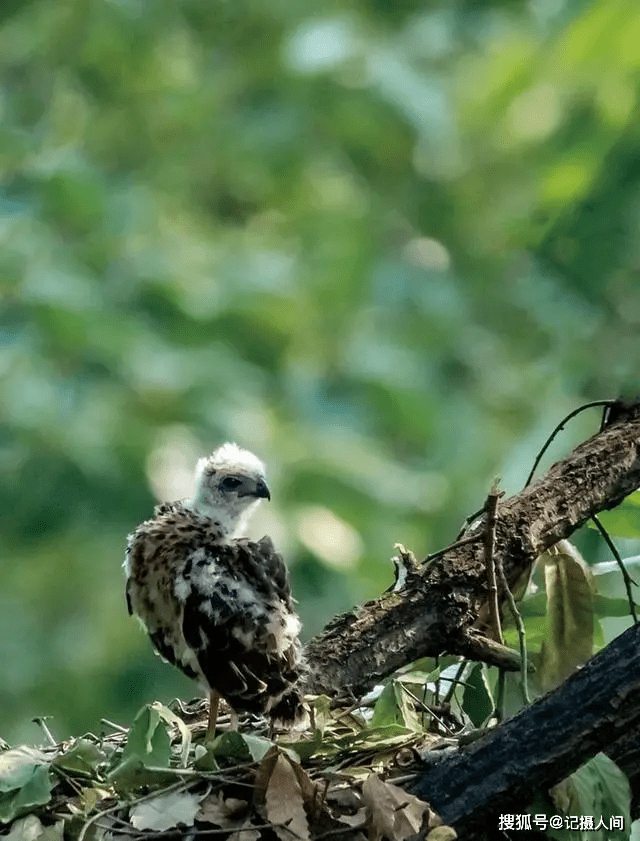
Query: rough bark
{"points": [[437, 609], [598, 706], [442, 608]]}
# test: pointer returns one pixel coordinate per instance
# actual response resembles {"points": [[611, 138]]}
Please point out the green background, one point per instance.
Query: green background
{"points": [[386, 246]]}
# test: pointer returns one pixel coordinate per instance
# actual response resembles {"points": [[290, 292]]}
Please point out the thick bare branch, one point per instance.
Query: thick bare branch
{"points": [[595, 708], [439, 608]]}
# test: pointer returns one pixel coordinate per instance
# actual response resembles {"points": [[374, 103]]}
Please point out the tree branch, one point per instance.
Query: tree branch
{"points": [[444, 607], [438, 609], [541, 745]]}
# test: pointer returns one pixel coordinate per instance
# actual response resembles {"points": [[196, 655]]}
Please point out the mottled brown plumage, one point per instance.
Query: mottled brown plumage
{"points": [[219, 607]]}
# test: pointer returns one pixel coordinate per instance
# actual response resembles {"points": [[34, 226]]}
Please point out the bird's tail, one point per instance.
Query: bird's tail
{"points": [[289, 709]]}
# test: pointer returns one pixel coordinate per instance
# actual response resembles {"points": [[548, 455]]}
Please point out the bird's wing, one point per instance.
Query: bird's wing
{"points": [[238, 620], [156, 550]]}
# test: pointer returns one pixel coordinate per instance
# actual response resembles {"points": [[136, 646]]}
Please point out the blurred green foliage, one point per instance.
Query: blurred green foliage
{"points": [[384, 245]]}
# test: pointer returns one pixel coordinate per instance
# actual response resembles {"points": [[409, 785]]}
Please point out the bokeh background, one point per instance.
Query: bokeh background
{"points": [[385, 245]]}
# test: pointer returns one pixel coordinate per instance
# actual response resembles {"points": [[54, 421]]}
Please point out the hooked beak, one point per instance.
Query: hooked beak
{"points": [[262, 491], [259, 490]]}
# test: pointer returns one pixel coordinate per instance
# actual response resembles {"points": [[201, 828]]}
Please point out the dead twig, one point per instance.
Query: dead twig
{"points": [[628, 581], [491, 508], [559, 428], [517, 618], [474, 538]]}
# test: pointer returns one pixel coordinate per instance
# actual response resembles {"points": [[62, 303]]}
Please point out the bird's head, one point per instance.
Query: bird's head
{"points": [[229, 485]]}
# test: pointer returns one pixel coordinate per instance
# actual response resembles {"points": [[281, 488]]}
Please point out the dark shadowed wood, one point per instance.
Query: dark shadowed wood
{"points": [[598, 705]]}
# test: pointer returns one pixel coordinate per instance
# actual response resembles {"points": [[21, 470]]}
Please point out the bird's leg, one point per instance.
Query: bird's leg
{"points": [[214, 700]]}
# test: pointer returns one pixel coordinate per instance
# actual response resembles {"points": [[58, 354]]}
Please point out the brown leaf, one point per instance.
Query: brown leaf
{"points": [[393, 813], [310, 791], [354, 820], [442, 833], [284, 803], [263, 774], [570, 616], [225, 813], [343, 796], [245, 833]]}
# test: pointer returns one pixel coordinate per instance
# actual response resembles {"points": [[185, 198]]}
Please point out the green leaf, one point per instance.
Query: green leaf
{"points": [[598, 788], [132, 773], [605, 606], [476, 698], [535, 605], [185, 734], [395, 706], [257, 745], [83, 757], [570, 614], [35, 790], [421, 677], [632, 564], [166, 811], [389, 735], [385, 710], [30, 828], [535, 629], [306, 748], [321, 712], [623, 521], [148, 739], [231, 745], [16, 766], [204, 760], [55, 832], [533, 611]]}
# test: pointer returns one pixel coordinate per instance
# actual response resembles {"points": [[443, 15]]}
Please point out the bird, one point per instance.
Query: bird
{"points": [[214, 603]]}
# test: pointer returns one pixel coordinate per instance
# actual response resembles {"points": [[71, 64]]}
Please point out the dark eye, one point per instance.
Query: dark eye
{"points": [[230, 483]]}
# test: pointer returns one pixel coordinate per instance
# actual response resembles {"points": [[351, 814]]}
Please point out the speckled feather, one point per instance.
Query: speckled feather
{"points": [[220, 610]]}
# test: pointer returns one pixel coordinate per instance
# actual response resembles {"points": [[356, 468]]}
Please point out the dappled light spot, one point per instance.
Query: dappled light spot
{"points": [[330, 538], [428, 253], [171, 461]]}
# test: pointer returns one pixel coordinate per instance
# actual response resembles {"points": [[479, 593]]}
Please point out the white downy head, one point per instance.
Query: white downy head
{"points": [[229, 486]]}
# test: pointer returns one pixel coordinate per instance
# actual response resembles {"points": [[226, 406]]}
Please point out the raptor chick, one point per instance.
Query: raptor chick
{"points": [[217, 605]]}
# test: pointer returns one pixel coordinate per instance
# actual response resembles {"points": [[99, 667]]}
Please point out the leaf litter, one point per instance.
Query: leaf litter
{"points": [[158, 776]]}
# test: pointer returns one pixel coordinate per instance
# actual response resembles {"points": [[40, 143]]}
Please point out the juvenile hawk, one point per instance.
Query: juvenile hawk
{"points": [[216, 605]]}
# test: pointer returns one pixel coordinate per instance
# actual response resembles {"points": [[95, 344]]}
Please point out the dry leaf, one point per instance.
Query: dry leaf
{"points": [[308, 788], [235, 807], [245, 833], [354, 820], [442, 833], [224, 812], [228, 814], [284, 804], [263, 774], [344, 797], [391, 812], [165, 811], [570, 616], [53, 833], [28, 828]]}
